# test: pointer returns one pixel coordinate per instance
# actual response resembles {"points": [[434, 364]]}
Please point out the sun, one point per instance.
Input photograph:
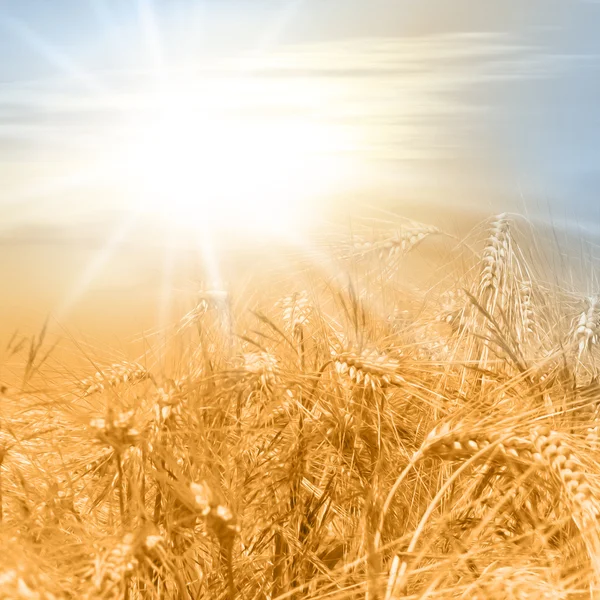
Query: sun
{"points": [[196, 164]]}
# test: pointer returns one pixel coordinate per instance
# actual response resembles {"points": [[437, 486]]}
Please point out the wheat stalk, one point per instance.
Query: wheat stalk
{"points": [[221, 522], [112, 376]]}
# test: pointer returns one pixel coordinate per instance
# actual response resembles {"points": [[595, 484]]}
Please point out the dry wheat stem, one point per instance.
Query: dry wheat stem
{"points": [[399, 584]]}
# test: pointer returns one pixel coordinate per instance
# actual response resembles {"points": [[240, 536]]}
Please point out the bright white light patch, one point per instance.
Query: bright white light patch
{"points": [[196, 166]]}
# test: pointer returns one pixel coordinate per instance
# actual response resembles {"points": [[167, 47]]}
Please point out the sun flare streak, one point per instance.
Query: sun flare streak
{"points": [[189, 162]]}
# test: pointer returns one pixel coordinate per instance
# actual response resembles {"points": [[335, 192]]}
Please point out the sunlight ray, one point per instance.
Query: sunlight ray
{"points": [[258, 345], [95, 266], [63, 62], [208, 256], [152, 35], [166, 288]]}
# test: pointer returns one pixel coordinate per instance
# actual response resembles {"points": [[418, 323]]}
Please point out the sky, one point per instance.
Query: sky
{"points": [[401, 105], [432, 98]]}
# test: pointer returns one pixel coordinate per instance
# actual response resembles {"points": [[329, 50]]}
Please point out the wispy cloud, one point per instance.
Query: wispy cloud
{"points": [[360, 83], [409, 101]]}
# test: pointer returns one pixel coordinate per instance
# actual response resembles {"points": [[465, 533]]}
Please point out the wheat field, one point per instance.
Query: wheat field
{"points": [[350, 428]]}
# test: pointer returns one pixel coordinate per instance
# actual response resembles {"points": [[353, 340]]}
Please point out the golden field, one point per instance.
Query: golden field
{"points": [[400, 414]]}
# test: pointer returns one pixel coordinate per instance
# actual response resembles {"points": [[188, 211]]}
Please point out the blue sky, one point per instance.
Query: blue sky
{"points": [[490, 104]]}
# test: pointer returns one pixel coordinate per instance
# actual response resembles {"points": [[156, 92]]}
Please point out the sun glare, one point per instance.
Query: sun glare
{"points": [[199, 166]]}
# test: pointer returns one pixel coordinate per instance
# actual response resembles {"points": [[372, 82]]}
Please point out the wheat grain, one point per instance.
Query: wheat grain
{"points": [[553, 450], [296, 310], [263, 368], [495, 254], [117, 430], [461, 442], [527, 314], [369, 367], [586, 332], [116, 374]]}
